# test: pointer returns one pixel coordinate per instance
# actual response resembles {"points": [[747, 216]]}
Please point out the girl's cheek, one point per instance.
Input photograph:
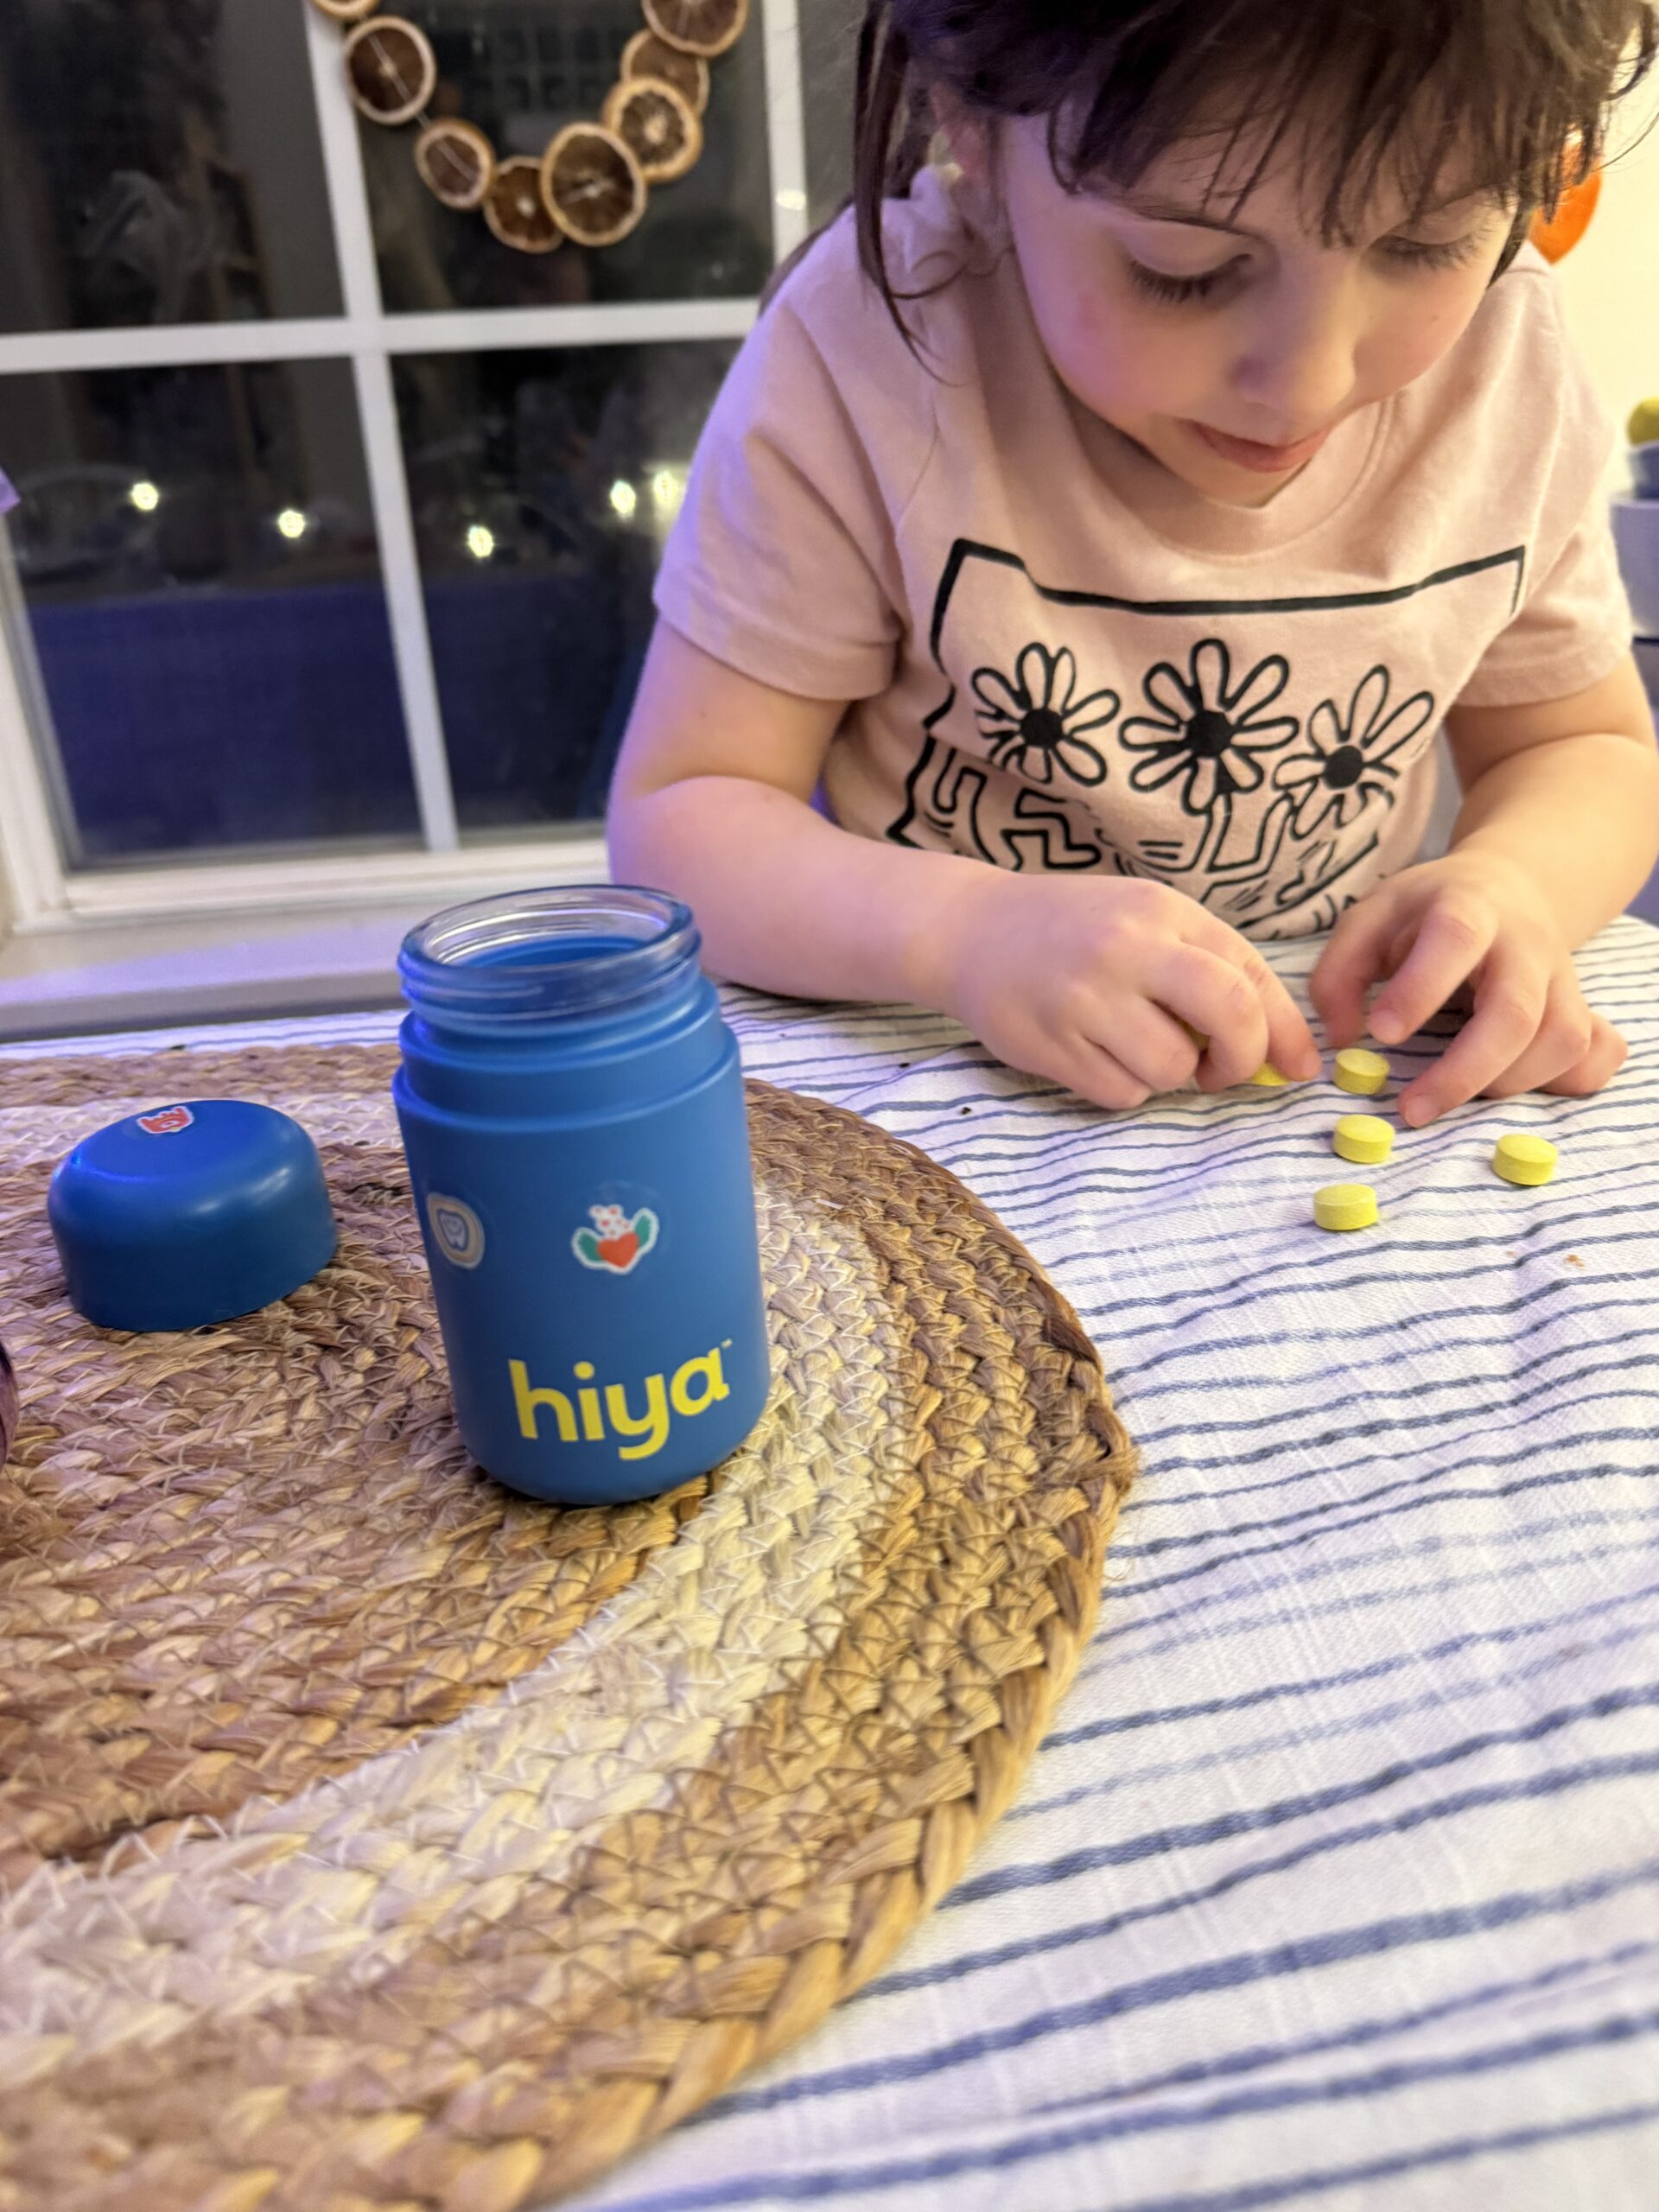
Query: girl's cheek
{"points": [[1113, 357], [1404, 347]]}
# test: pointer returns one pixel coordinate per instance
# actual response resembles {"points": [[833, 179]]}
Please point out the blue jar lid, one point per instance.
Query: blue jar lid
{"points": [[190, 1214]]}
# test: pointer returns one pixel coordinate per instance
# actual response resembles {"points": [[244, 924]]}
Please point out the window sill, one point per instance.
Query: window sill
{"points": [[95, 976]]}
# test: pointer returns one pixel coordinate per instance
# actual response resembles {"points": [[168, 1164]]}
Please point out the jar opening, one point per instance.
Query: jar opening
{"points": [[578, 948]]}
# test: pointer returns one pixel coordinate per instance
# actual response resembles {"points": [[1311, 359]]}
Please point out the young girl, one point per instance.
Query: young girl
{"points": [[1126, 501]]}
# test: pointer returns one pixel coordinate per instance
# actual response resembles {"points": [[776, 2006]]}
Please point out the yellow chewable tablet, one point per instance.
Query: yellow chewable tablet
{"points": [[1345, 1205], [1363, 1138], [1521, 1159], [1361, 1072], [1269, 1078]]}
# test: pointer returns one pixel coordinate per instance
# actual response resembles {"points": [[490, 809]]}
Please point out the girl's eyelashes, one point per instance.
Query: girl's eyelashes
{"points": [[1175, 289], [1412, 253], [1416, 254]]}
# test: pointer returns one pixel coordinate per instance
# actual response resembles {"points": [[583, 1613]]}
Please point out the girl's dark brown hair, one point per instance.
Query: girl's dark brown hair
{"points": [[1520, 90]]}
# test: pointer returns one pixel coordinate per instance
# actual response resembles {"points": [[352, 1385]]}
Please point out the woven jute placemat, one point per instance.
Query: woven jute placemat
{"points": [[371, 1837]]}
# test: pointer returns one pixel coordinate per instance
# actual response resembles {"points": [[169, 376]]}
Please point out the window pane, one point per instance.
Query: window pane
{"points": [[828, 58], [544, 485], [520, 70], [159, 164], [195, 553]]}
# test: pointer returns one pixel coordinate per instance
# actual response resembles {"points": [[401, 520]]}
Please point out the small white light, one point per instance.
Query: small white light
{"points": [[624, 498], [145, 496], [667, 490], [481, 542], [793, 203], [291, 523]]}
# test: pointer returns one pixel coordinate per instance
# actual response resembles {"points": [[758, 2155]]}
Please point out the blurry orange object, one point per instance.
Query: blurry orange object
{"points": [[1572, 219]]}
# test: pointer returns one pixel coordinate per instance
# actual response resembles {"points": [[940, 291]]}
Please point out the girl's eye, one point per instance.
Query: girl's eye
{"points": [[1417, 255], [1176, 290]]}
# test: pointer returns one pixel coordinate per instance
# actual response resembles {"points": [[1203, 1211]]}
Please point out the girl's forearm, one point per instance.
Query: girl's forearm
{"points": [[787, 901], [1578, 816]]}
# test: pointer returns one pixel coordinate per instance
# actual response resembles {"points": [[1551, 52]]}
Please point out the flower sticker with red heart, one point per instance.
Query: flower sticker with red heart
{"points": [[615, 1244], [166, 1121]]}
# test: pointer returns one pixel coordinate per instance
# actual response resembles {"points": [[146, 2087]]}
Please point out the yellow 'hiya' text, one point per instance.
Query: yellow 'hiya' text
{"points": [[695, 1387]]}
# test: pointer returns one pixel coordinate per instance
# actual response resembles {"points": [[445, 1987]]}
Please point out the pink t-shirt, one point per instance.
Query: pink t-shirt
{"points": [[1056, 655]]}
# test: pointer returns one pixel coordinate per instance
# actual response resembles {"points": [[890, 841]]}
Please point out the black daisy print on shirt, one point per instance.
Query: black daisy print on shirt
{"points": [[1035, 722], [1351, 757], [1208, 731]]}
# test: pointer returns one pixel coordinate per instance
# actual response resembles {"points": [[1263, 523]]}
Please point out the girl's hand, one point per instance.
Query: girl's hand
{"points": [[1473, 918], [1089, 983]]}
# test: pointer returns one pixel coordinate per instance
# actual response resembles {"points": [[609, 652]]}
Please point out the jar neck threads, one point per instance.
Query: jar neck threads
{"points": [[576, 953]]}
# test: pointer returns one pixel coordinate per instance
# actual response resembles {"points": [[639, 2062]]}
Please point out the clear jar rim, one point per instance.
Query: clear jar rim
{"points": [[445, 969]]}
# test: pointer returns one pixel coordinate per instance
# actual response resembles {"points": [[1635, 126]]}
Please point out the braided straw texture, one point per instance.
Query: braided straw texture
{"points": [[370, 1837]]}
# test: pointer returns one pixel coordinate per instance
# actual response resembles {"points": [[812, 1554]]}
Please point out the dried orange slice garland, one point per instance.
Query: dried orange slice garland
{"points": [[593, 182], [659, 127], [648, 55]]}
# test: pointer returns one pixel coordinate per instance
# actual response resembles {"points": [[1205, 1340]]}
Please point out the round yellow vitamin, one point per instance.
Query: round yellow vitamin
{"points": [[1361, 1072], [1269, 1078], [1520, 1159], [1363, 1138], [1345, 1205]]}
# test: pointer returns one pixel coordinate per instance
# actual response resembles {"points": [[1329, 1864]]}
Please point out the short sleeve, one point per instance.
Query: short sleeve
{"points": [[783, 562], [1574, 622]]}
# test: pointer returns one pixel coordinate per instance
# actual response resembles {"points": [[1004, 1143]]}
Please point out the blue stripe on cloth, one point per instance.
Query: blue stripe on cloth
{"points": [[1449, 1494], [1346, 1568], [1368, 1941], [1372, 1670], [1533, 1790], [807, 2187]]}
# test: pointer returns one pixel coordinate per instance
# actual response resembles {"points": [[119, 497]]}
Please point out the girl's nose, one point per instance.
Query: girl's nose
{"points": [[1296, 369]]}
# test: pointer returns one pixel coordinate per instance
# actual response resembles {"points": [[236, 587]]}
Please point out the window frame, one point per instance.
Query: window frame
{"points": [[45, 893]]}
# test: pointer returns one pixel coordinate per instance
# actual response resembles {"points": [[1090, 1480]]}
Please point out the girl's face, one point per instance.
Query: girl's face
{"points": [[1230, 344]]}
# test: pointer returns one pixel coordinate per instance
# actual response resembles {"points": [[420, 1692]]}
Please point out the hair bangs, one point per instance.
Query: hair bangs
{"points": [[1434, 99]]}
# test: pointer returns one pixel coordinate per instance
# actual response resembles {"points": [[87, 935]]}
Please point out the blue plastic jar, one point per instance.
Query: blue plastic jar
{"points": [[572, 1110]]}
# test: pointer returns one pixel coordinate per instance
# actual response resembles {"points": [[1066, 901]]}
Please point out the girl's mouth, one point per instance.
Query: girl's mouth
{"points": [[1248, 453]]}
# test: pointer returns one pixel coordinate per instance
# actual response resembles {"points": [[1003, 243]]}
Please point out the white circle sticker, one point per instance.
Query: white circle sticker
{"points": [[456, 1230]]}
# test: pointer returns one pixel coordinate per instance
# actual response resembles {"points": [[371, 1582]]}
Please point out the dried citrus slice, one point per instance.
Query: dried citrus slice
{"points": [[347, 11], [391, 68], [705, 26], [592, 184], [656, 125], [456, 161], [648, 55], [515, 210]]}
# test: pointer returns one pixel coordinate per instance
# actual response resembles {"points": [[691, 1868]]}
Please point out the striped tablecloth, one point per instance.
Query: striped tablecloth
{"points": [[1337, 1883]]}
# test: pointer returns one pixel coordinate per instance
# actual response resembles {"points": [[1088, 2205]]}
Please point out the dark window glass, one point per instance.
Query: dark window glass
{"points": [[828, 53], [197, 565], [544, 485], [159, 163]]}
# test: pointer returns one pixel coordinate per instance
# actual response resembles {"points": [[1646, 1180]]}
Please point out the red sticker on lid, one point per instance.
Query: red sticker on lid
{"points": [[166, 1121]]}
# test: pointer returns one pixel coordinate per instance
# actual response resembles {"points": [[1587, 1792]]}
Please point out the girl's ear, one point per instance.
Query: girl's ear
{"points": [[968, 137]]}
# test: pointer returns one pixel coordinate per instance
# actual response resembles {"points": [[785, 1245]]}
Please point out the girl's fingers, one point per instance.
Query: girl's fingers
{"points": [[1219, 972], [1509, 1001], [1563, 1037], [1150, 1045], [1291, 1047], [1455, 936], [1608, 1051], [1101, 1078], [1223, 1002], [1358, 954]]}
